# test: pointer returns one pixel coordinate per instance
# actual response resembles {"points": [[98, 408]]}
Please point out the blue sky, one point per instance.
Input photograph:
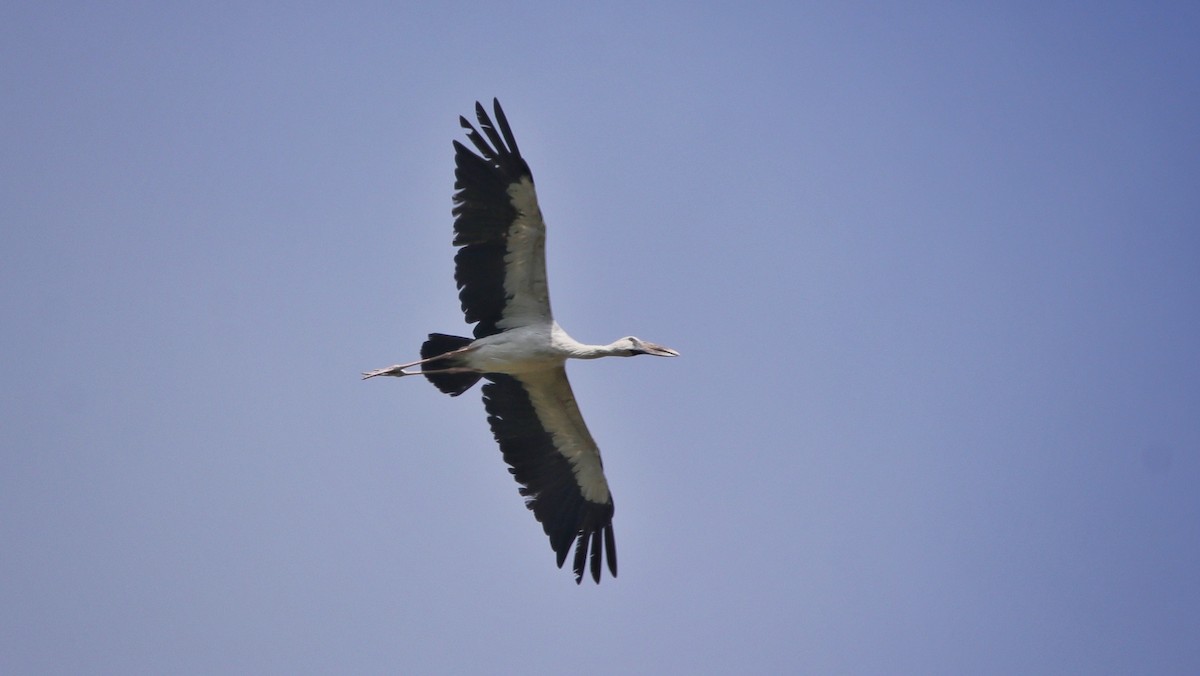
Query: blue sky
{"points": [[932, 268]]}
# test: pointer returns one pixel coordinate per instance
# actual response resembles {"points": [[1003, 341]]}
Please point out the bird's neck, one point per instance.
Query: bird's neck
{"points": [[573, 349], [582, 351]]}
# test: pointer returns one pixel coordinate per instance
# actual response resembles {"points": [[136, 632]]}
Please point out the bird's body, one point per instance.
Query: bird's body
{"points": [[520, 349]]}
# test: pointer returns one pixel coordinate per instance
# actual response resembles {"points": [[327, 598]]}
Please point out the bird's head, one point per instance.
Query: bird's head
{"points": [[630, 346]]}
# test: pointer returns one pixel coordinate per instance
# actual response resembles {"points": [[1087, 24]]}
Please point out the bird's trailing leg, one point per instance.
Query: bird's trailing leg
{"points": [[399, 369]]}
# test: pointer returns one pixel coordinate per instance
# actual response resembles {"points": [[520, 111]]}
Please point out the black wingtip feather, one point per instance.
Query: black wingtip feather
{"points": [[610, 543], [597, 556], [581, 551], [502, 122]]}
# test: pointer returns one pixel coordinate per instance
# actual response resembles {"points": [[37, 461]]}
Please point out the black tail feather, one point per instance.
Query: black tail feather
{"points": [[452, 384]]}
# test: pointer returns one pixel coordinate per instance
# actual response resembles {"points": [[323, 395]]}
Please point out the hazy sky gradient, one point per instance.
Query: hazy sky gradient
{"points": [[934, 269]]}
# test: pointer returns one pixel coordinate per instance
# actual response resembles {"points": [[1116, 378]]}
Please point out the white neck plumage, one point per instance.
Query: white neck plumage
{"points": [[625, 347], [615, 349]]}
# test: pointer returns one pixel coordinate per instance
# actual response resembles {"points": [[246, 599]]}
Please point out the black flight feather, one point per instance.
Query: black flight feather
{"points": [[483, 213], [547, 479]]}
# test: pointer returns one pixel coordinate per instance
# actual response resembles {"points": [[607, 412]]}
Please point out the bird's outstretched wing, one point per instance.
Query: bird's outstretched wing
{"points": [[501, 265], [555, 460]]}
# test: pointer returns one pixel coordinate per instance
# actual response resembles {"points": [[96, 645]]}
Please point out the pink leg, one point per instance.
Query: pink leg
{"points": [[398, 369]]}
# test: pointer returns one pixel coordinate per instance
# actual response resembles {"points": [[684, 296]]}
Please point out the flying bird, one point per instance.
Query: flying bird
{"points": [[520, 350]]}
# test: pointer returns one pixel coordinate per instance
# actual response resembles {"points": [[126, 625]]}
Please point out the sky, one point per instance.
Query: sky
{"points": [[932, 269]]}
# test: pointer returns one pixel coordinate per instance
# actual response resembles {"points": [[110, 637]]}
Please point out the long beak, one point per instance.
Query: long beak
{"points": [[658, 350]]}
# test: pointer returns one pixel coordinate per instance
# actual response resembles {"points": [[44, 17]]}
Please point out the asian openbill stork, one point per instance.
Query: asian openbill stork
{"points": [[520, 350]]}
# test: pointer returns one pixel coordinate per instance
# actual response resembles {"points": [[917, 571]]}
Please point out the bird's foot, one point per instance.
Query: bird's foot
{"points": [[397, 370]]}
